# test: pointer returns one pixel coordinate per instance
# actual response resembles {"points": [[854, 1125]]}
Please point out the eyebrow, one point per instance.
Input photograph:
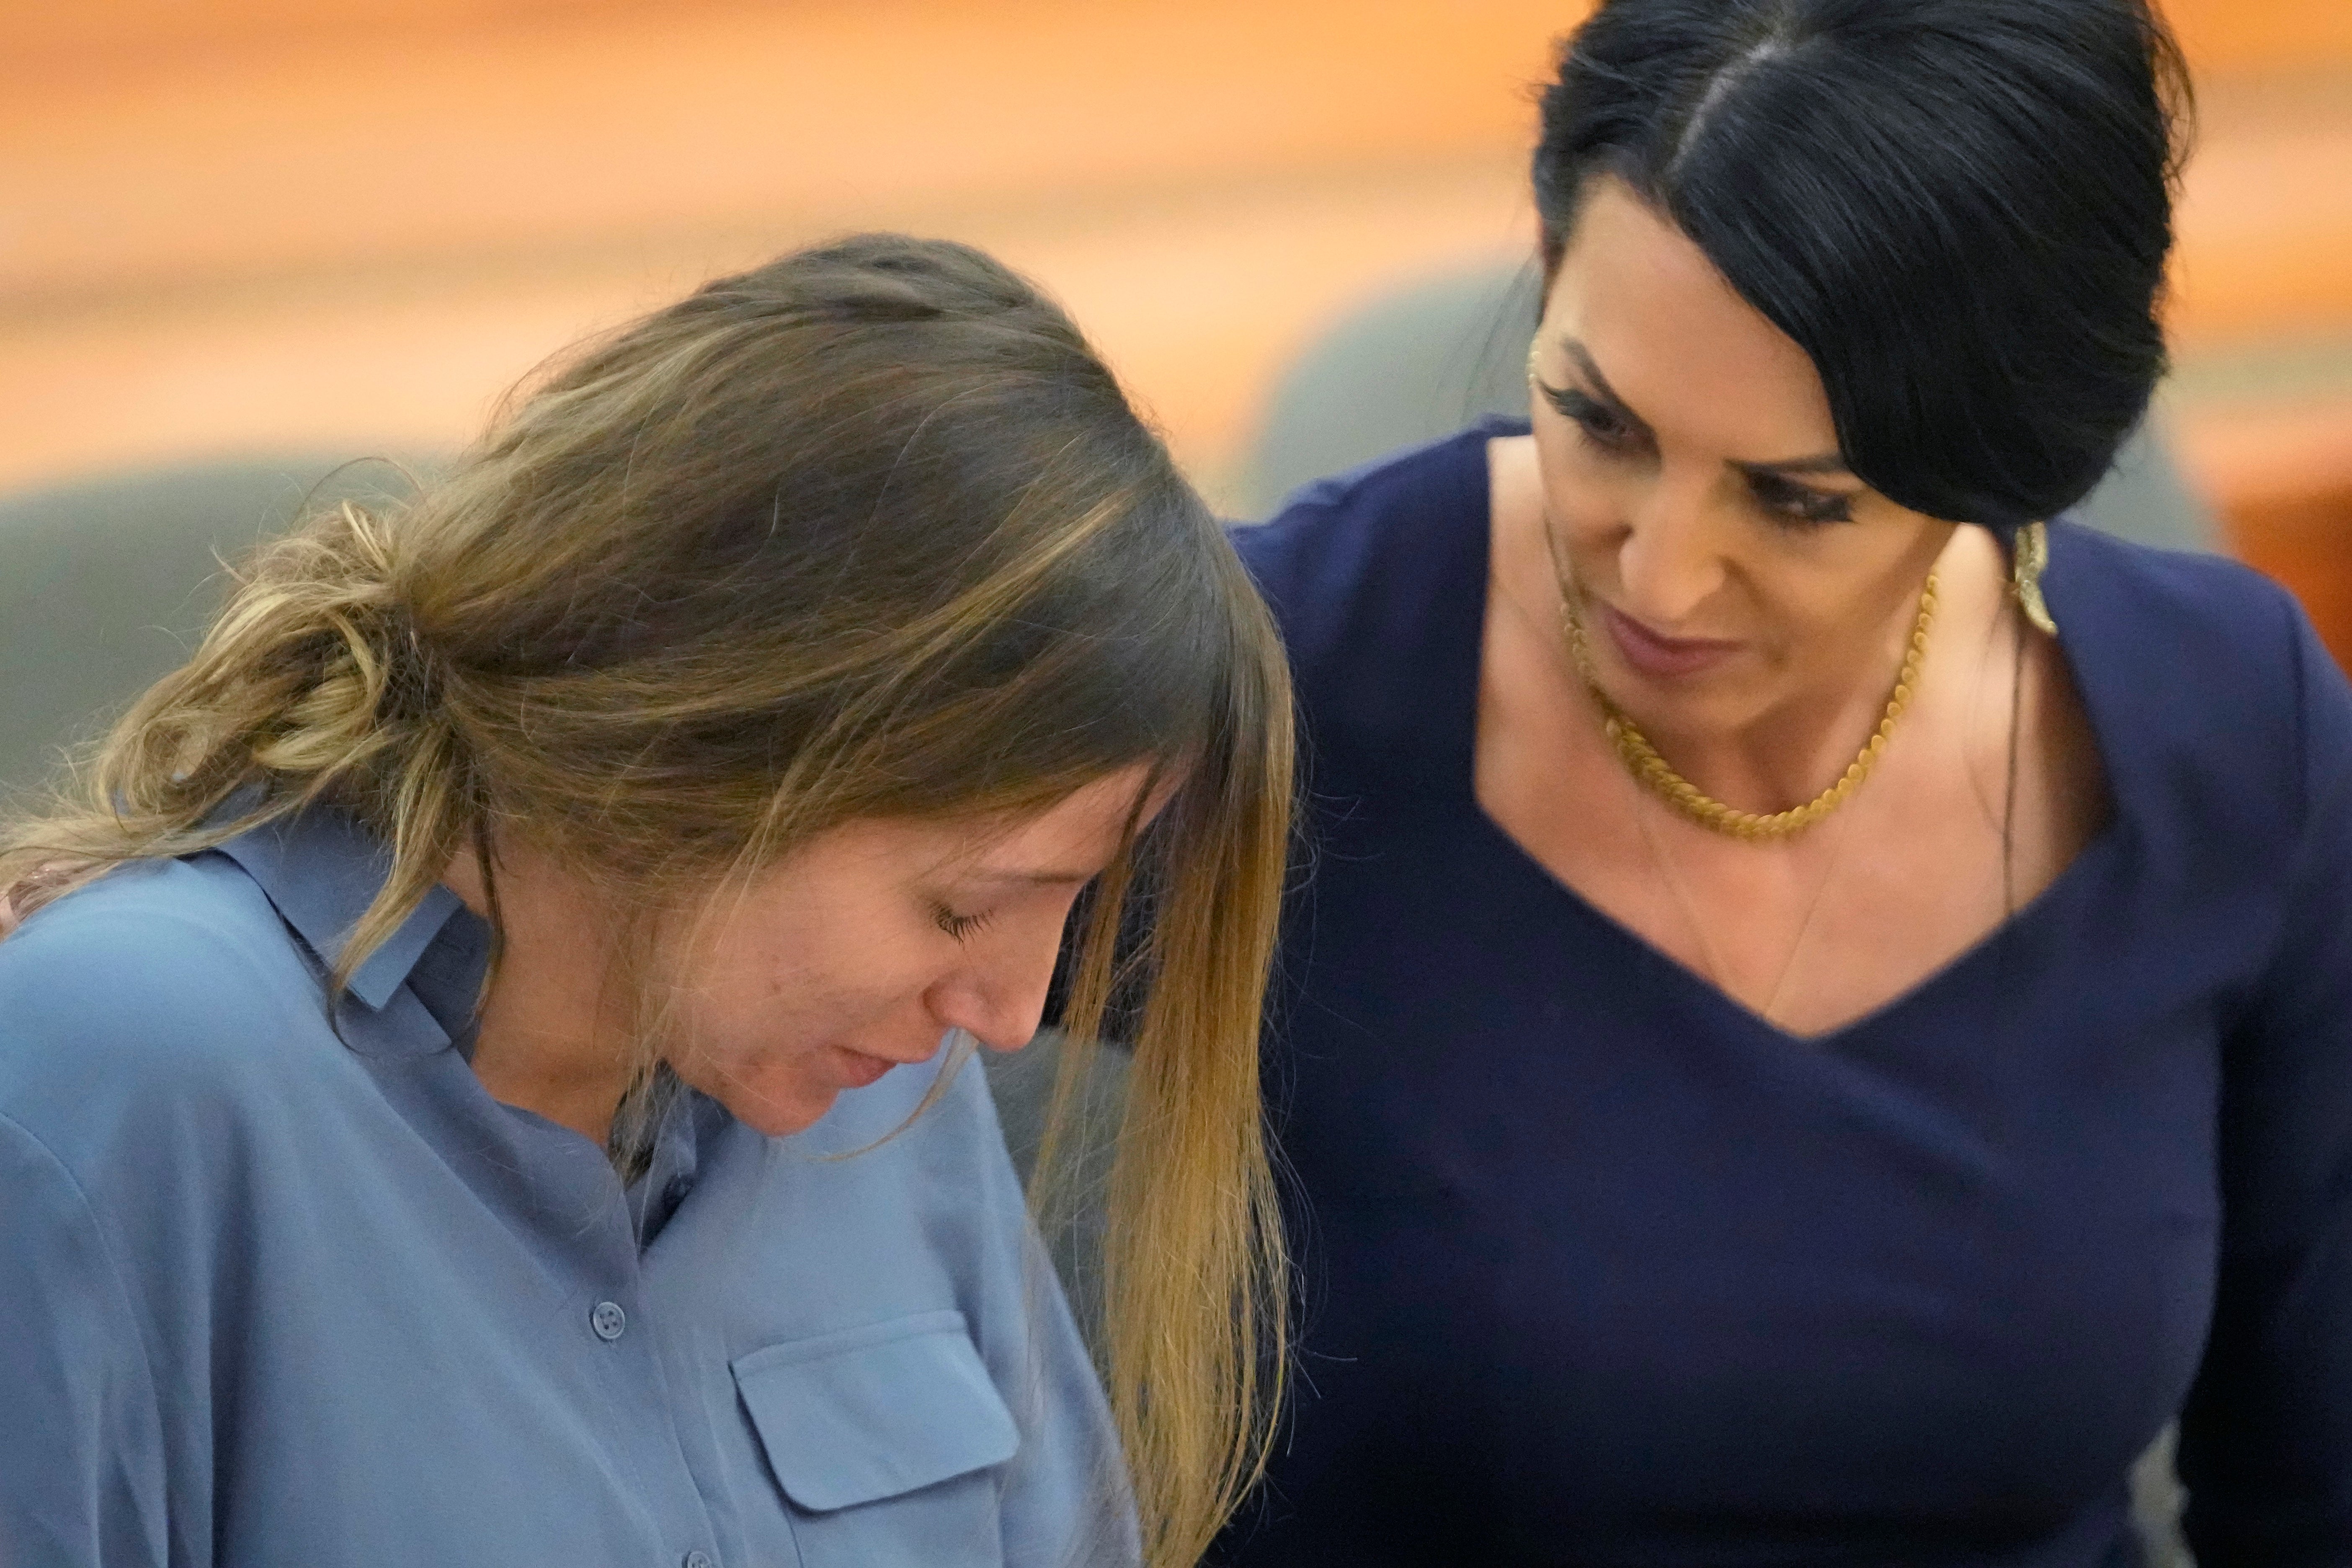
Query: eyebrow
{"points": [[1608, 393], [1826, 463], [1820, 463], [1037, 878]]}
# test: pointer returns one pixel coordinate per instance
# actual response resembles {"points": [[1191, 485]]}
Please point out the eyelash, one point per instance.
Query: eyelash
{"points": [[1593, 421], [1789, 505], [959, 926], [1800, 507]]}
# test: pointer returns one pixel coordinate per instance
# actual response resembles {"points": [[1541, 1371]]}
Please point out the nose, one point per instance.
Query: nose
{"points": [[998, 999], [1668, 562]]}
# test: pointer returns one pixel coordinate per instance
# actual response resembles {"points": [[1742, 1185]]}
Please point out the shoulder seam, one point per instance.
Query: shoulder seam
{"points": [[217, 938], [116, 1275], [1335, 489]]}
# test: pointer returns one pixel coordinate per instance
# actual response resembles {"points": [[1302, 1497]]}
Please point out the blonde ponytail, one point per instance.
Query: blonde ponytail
{"points": [[310, 683]]}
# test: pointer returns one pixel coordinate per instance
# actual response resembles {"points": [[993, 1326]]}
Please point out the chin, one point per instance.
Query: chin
{"points": [[775, 1106], [780, 1115]]}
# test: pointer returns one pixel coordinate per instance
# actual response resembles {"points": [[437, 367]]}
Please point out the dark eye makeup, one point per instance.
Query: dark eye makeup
{"points": [[1606, 428], [1791, 503], [1616, 433]]}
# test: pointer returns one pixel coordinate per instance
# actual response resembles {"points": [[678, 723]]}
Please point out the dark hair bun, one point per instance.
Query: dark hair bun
{"points": [[1960, 209]]}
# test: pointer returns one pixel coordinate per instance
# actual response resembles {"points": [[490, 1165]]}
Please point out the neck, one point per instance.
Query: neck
{"points": [[553, 1032]]}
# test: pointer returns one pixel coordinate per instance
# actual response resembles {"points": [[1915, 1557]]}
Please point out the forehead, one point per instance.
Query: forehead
{"points": [[1675, 341], [1069, 840]]}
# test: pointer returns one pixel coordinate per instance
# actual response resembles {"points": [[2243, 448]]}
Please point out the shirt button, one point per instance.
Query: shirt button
{"points": [[697, 1560], [608, 1319]]}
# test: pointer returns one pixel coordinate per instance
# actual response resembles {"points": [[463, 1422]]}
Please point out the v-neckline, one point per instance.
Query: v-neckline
{"points": [[1462, 774]]}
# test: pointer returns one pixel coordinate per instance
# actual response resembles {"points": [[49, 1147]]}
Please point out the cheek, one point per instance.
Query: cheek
{"points": [[776, 990], [1806, 617], [762, 1054], [1585, 493]]}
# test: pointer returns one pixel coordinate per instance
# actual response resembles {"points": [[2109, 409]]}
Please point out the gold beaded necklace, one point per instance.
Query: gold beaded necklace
{"points": [[1658, 775]]}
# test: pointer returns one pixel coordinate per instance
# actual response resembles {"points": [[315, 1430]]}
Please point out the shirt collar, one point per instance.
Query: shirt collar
{"points": [[320, 870]]}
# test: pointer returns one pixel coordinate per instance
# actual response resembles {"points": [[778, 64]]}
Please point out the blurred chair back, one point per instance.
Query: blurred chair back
{"points": [[1423, 361], [105, 585]]}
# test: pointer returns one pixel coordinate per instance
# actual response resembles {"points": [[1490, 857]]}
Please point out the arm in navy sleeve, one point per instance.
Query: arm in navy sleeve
{"points": [[2266, 1437], [82, 1482]]}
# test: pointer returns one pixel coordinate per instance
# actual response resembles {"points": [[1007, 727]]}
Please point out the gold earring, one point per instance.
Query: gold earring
{"points": [[2029, 556]]}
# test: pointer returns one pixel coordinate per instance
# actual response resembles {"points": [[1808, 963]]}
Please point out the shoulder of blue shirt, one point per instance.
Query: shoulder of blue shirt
{"points": [[172, 992], [160, 969]]}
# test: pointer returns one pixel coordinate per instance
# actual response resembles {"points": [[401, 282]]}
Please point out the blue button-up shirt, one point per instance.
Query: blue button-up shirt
{"points": [[274, 1299]]}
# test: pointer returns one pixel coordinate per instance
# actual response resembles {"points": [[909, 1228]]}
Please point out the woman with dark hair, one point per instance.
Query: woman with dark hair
{"points": [[1822, 1017], [477, 1063]]}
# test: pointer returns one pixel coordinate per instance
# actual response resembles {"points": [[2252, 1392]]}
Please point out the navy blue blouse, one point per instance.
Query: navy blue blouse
{"points": [[1602, 1269]]}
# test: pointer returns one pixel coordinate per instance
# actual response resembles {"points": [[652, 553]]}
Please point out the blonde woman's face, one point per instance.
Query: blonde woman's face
{"points": [[859, 951], [1723, 556]]}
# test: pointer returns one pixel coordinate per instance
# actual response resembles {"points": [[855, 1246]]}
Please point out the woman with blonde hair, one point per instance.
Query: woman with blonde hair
{"points": [[472, 1083]]}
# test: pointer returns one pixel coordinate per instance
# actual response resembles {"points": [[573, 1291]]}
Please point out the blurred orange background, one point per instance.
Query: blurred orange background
{"points": [[320, 224]]}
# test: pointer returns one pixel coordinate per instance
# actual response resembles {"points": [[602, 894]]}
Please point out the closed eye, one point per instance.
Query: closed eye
{"points": [[961, 926]]}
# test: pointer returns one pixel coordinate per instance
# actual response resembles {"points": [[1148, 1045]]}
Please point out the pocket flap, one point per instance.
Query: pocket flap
{"points": [[873, 1412]]}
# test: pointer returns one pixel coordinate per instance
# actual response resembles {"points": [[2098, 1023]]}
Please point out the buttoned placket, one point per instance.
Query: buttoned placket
{"points": [[406, 1012], [623, 1337], [587, 1220]]}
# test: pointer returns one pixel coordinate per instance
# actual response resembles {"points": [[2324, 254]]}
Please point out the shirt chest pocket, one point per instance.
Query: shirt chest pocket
{"points": [[885, 1440]]}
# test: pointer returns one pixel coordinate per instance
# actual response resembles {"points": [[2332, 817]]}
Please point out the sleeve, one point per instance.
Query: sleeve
{"points": [[2266, 1435], [81, 1471], [1067, 1500]]}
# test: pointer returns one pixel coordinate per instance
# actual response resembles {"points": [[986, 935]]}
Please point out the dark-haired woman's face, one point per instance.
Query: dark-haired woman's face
{"points": [[1726, 562]]}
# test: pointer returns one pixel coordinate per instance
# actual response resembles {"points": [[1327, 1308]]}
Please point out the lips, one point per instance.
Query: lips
{"points": [[860, 1069], [1662, 657]]}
